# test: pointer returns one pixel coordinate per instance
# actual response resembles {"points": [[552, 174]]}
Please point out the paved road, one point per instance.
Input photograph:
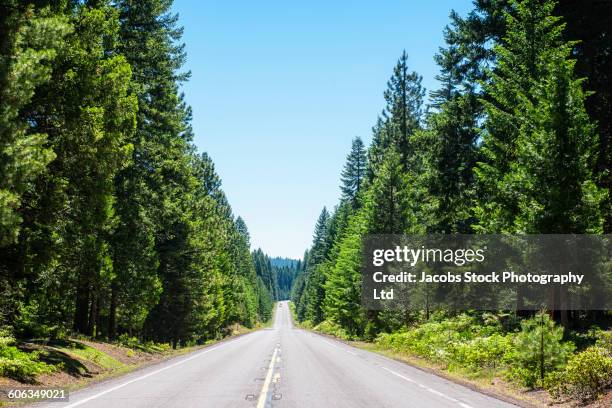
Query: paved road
{"points": [[279, 367]]}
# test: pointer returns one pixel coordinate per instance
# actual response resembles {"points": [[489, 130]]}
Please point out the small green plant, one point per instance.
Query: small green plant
{"points": [[329, 327], [127, 341], [17, 364], [307, 324], [587, 374], [604, 338], [483, 352], [442, 339], [539, 350], [135, 344]]}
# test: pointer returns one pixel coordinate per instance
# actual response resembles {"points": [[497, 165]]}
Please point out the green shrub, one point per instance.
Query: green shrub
{"points": [[329, 327], [127, 341], [307, 324], [29, 324], [477, 342], [539, 350], [604, 339], [17, 364], [148, 346], [594, 336], [443, 339], [587, 374], [483, 352]]}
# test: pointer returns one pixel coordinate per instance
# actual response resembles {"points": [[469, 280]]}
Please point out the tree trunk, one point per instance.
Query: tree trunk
{"points": [[93, 312], [112, 316], [81, 305], [98, 319], [563, 305]]}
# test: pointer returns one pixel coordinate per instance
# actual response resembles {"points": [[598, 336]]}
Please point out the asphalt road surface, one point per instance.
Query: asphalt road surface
{"points": [[279, 367]]}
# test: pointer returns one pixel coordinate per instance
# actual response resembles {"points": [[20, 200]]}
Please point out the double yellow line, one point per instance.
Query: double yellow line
{"points": [[263, 395]]}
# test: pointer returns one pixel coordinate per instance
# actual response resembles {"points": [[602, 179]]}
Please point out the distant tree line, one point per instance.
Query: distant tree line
{"points": [[277, 274], [517, 139], [110, 221]]}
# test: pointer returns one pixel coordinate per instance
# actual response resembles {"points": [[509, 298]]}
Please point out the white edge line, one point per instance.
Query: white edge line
{"points": [[463, 405], [340, 348], [425, 387], [331, 344], [399, 375], [440, 394], [76, 404]]}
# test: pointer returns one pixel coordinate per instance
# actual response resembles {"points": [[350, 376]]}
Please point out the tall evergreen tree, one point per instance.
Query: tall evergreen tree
{"points": [[353, 174], [29, 42], [311, 301], [110, 223], [449, 149], [403, 113], [89, 116], [589, 27], [150, 42], [319, 247], [539, 146], [389, 201], [342, 303]]}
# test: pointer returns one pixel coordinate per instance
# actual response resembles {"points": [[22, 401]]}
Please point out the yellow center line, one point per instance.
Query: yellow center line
{"points": [[261, 402]]}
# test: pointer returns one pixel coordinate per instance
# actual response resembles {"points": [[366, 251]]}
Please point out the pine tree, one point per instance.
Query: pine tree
{"points": [[353, 174], [88, 115], [449, 150], [376, 150], [402, 115], [540, 349], [540, 145], [312, 298], [467, 59], [150, 42], [342, 303], [243, 230], [29, 43], [589, 25], [319, 248], [389, 205], [451, 140]]}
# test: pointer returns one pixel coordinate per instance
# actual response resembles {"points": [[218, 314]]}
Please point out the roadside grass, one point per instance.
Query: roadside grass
{"points": [[293, 314], [82, 351], [148, 347]]}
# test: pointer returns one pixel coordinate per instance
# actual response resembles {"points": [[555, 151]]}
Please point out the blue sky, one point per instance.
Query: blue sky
{"points": [[279, 89]]}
